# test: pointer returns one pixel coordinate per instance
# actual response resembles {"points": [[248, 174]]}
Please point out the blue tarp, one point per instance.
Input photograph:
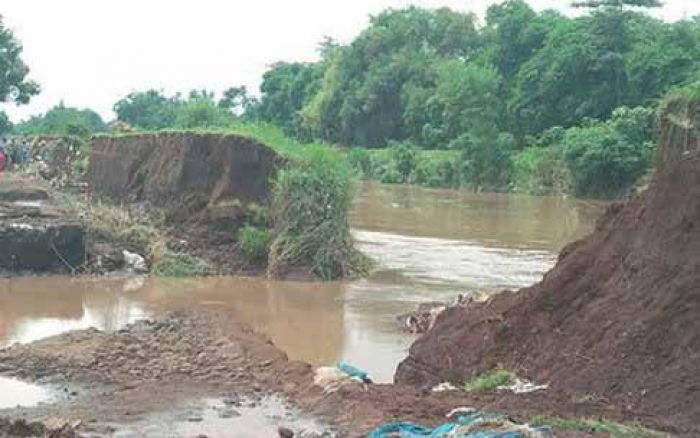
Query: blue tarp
{"points": [[452, 429], [353, 372]]}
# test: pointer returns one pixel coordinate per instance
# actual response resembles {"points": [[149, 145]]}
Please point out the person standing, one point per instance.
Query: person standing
{"points": [[3, 158]]}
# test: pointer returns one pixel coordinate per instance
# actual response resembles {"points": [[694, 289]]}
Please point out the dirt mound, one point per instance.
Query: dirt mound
{"points": [[186, 173], [616, 320]]}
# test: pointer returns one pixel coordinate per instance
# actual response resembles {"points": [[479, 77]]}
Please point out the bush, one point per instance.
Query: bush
{"points": [[168, 263], [254, 242], [490, 381], [311, 199], [403, 156], [607, 158], [361, 161], [486, 159], [541, 170]]}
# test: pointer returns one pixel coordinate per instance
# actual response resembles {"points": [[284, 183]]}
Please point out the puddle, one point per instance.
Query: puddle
{"points": [[221, 417], [14, 393]]}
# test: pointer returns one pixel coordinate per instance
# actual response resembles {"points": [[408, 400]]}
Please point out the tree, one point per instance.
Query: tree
{"points": [[14, 85], [148, 110], [286, 88], [63, 120], [617, 3], [201, 111], [5, 123], [238, 101]]}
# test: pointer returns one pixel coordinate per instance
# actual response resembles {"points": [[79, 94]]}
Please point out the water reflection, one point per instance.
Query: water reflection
{"points": [[429, 244]]}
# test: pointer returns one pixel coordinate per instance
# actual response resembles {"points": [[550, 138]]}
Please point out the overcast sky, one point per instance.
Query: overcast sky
{"points": [[90, 53]]}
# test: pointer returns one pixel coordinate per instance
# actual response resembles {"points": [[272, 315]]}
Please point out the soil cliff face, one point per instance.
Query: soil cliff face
{"points": [[617, 319], [183, 172]]}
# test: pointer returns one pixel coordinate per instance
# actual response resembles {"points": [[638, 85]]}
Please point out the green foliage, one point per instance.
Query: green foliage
{"points": [[5, 123], [403, 156], [606, 159], [597, 426], [311, 199], [490, 381], [486, 159], [254, 242], [179, 265], [14, 85], [148, 110], [201, 111], [151, 110], [360, 160], [541, 170], [63, 120], [285, 89]]}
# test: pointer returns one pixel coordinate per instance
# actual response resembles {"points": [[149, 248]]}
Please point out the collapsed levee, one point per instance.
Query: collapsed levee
{"points": [[235, 202], [616, 320]]}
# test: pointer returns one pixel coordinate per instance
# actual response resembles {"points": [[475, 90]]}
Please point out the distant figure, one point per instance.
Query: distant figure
{"points": [[3, 158]]}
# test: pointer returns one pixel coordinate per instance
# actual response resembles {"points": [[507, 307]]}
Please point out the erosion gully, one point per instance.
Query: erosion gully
{"points": [[430, 245]]}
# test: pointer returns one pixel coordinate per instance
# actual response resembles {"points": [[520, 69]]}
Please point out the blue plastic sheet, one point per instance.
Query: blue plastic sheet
{"points": [[451, 429], [353, 372]]}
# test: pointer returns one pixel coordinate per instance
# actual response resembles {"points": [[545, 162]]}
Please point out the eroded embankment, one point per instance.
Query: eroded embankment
{"points": [[616, 320], [207, 185], [36, 234]]}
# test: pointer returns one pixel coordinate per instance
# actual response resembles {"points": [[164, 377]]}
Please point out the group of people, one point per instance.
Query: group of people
{"points": [[15, 154]]}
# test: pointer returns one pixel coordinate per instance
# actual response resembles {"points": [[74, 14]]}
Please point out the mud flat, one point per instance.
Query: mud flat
{"points": [[151, 368]]}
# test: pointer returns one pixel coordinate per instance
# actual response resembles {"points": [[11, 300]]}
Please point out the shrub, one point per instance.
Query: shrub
{"points": [[490, 381], [361, 161], [168, 263], [254, 242], [403, 156], [311, 199]]}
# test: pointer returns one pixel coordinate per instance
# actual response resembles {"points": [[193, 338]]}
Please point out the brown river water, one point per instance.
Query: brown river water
{"points": [[429, 245]]}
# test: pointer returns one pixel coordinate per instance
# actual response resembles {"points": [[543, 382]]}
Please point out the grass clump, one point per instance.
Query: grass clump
{"points": [[611, 428], [254, 242], [311, 199], [168, 263], [490, 381]]}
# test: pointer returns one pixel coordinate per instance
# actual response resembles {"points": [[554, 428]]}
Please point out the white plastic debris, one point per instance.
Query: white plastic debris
{"points": [[331, 379], [520, 386], [134, 261], [24, 227], [444, 386]]}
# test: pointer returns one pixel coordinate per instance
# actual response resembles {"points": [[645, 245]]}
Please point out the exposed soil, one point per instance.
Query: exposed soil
{"points": [[35, 233], [617, 318], [152, 366], [206, 184]]}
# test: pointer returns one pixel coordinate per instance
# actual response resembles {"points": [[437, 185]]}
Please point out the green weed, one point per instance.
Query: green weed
{"points": [[254, 242], [611, 428], [490, 381]]}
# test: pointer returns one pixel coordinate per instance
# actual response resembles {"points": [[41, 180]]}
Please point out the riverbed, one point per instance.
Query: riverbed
{"points": [[429, 245]]}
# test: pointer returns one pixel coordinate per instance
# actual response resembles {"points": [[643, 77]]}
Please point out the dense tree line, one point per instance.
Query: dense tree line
{"points": [[435, 79], [531, 101]]}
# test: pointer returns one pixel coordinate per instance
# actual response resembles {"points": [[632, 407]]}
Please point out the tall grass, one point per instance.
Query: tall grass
{"points": [[311, 199]]}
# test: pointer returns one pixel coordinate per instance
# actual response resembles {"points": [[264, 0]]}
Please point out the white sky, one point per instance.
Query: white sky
{"points": [[90, 53]]}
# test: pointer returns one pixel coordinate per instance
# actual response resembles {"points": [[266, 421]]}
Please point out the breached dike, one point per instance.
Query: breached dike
{"points": [[184, 173]]}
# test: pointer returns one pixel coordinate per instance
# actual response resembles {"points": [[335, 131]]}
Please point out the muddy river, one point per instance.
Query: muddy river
{"points": [[429, 245]]}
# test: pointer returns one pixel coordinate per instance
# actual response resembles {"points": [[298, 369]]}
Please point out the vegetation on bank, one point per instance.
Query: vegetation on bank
{"points": [[612, 429], [491, 381]]}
